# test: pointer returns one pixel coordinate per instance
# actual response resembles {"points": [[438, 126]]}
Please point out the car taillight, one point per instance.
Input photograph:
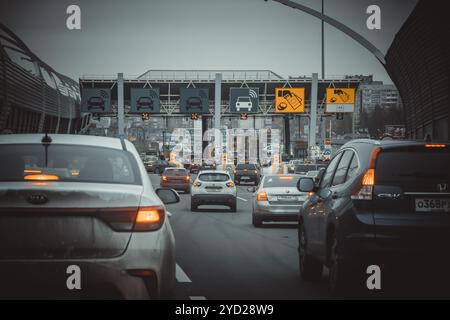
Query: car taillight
{"points": [[256, 171], [187, 178], [230, 184], [261, 196], [41, 177], [133, 219], [164, 178], [197, 184], [430, 145], [365, 190], [149, 218]]}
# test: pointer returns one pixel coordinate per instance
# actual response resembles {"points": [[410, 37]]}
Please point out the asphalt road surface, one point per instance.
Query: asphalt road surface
{"points": [[220, 255]]}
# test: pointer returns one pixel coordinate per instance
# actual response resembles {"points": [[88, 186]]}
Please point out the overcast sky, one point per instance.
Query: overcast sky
{"points": [[137, 35]]}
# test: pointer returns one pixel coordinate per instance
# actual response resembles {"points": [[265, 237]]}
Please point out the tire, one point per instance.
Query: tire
{"points": [[157, 171], [233, 207], [340, 281], [257, 223], [310, 268], [187, 191], [194, 206]]}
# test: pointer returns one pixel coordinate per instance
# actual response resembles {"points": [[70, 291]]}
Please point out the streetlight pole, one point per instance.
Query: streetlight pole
{"points": [[323, 47], [338, 25]]}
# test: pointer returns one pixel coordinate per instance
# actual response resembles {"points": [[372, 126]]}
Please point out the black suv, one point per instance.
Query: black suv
{"points": [[383, 203], [248, 172]]}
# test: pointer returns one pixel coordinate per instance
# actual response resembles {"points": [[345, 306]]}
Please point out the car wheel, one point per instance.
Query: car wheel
{"points": [[257, 223], [193, 206], [339, 280], [233, 206], [310, 268], [157, 171], [187, 191]]}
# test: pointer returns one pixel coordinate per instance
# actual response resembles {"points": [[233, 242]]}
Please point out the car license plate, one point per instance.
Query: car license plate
{"points": [[245, 178], [287, 198], [432, 205]]}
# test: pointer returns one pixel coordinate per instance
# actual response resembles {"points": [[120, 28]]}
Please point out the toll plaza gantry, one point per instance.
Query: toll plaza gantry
{"points": [[215, 94]]}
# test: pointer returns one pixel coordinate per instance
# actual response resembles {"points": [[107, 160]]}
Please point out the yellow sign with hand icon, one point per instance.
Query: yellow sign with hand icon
{"points": [[339, 100], [289, 100]]}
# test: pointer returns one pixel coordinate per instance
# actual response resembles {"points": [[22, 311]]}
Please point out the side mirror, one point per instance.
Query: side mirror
{"points": [[167, 196], [251, 189], [305, 185]]}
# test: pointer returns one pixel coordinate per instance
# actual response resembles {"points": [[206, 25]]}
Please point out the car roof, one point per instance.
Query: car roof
{"points": [[67, 139], [388, 143], [213, 171], [282, 175]]}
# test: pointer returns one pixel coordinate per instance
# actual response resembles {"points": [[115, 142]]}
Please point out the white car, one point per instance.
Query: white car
{"points": [[213, 187], [243, 103], [87, 203]]}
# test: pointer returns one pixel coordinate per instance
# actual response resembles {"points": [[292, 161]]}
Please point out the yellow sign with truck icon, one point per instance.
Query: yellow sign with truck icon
{"points": [[340, 100], [289, 100]]}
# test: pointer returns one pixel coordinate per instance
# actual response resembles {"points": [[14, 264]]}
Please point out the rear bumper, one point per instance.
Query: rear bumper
{"points": [[242, 178], [99, 278], [220, 199], [267, 212], [394, 250], [176, 186]]}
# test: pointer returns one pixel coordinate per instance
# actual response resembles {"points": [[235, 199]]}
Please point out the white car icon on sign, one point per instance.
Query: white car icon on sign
{"points": [[243, 103]]}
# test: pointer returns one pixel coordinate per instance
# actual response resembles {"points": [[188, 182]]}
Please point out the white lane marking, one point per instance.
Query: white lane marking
{"points": [[242, 199], [197, 297], [181, 275]]}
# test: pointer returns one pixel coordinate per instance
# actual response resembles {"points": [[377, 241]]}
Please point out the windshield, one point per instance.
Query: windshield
{"points": [[176, 172], [213, 177], [413, 166], [68, 163], [246, 167], [280, 181]]}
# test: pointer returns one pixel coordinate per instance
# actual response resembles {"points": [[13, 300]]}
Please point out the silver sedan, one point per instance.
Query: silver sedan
{"points": [[79, 219], [277, 198]]}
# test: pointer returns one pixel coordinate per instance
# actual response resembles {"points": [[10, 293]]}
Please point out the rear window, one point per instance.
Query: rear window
{"points": [[176, 172], [306, 167], [213, 177], [68, 163], [246, 166], [280, 181], [413, 166]]}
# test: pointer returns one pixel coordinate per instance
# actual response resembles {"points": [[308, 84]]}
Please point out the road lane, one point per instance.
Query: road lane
{"points": [[225, 257]]}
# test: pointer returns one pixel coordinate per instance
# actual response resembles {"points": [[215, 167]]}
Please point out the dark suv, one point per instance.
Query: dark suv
{"points": [[248, 172], [383, 203]]}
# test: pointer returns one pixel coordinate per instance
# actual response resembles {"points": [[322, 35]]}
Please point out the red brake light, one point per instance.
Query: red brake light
{"points": [[149, 218], [429, 145], [261, 196], [143, 218], [41, 177], [187, 178], [365, 191], [164, 178], [369, 178]]}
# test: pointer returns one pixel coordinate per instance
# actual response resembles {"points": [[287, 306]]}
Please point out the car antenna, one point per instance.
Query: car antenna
{"points": [[46, 140]]}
